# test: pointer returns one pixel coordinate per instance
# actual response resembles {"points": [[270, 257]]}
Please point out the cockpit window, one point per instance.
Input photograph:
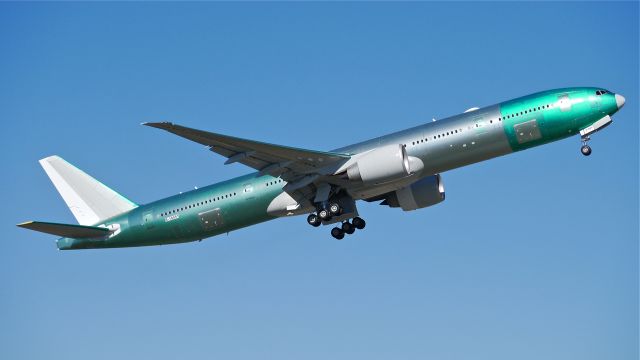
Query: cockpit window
{"points": [[601, 92]]}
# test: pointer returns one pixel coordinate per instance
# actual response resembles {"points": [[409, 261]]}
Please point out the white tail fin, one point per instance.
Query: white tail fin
{"points": [[89, 200]]}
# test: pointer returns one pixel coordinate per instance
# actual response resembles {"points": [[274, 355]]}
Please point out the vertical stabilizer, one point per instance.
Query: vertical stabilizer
{"points": [[89, 200]]}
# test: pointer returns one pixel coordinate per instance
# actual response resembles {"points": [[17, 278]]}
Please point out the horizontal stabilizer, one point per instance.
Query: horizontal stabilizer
{"points": [[66, 230]]}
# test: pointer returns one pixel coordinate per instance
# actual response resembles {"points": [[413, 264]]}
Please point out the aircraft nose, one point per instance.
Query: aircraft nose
{"points": [[619, 101]]}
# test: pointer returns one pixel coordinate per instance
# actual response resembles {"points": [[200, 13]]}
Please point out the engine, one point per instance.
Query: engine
{"points": [[384, 164], [422, 193]]}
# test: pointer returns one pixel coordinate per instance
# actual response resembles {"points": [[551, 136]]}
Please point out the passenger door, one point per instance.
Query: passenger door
{"points": [[248, 191], [147, 219], [479, 123]]}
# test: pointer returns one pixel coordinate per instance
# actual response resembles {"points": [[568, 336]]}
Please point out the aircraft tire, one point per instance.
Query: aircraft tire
{"points": [[337, 233], [314, 220], [335, 209], [348, 228], [324, 214], [359, 223]]}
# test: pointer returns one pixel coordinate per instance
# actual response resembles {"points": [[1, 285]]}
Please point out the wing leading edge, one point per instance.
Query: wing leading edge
{"points": [[290, 163]]}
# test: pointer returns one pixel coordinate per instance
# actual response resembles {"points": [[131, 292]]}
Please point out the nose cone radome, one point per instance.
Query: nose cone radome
{"points": [[619, 101]]}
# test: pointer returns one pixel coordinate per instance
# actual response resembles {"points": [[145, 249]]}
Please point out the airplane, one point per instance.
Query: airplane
{"points": [[399, 170]]}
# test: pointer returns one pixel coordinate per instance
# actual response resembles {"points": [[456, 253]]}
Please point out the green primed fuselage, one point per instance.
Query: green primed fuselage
{"points": [[442, 145]]}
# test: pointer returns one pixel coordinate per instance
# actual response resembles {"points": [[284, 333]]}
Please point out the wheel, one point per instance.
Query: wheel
{"points": [[359, 223], [337, 233], [313, 220], [324, 214], [585, 150], [348, 228], [335, 209]]}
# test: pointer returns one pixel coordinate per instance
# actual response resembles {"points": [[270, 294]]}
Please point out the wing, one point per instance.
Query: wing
{"points": [[291, 164]]}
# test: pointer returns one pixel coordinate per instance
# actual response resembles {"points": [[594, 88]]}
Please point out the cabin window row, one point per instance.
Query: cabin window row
{"points": [[548, 106], [490, 121], [273, 182], [455, 131], [200, 203]]}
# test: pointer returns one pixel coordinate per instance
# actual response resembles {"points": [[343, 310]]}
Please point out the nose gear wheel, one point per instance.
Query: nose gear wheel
{"points": [[585, 149]]}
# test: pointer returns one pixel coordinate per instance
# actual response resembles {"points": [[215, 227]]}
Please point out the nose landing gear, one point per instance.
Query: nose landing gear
{"points": [[585, 149]]}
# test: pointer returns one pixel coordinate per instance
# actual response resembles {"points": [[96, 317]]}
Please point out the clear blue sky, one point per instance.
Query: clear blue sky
{"points": [[532, 256]]}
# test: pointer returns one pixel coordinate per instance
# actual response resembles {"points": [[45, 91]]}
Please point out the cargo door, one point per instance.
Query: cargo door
{"points": [[527, 131], [211, 219]]}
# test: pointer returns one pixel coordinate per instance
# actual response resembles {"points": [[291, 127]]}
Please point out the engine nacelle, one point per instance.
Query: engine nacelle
{"points": [[384, 164], [422, 193]]}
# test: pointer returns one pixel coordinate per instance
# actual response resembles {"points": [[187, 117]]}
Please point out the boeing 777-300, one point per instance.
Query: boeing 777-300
{"points": [[399, 170]]}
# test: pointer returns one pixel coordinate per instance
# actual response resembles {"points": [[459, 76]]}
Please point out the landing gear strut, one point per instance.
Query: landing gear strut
{"points": [[585, 149], [335, 206]]}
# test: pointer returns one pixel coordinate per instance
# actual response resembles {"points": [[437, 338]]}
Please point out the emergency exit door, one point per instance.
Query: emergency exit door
{"points": [[147, 219]]}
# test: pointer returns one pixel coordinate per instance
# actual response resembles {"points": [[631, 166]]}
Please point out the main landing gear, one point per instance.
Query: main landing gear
{"points": [[328, 212], [348, 228], [585, 149]]}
